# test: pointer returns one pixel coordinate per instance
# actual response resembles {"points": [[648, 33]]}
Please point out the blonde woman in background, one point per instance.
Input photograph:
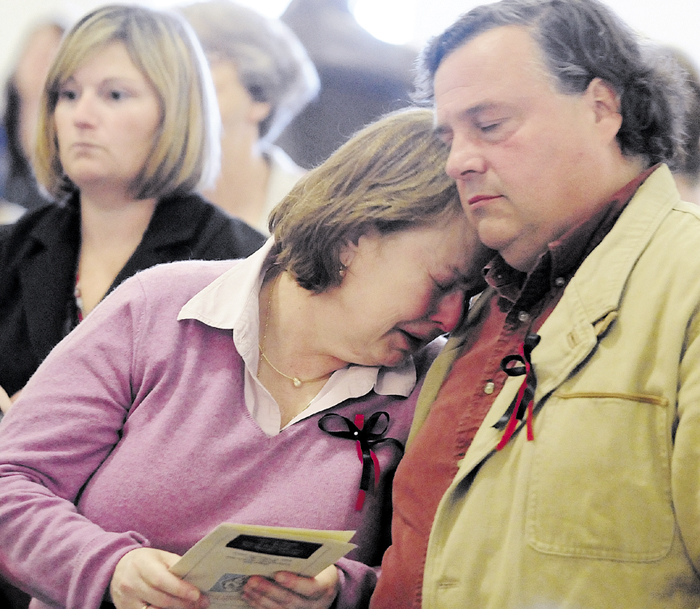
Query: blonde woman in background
{"points": [[128, 130]]}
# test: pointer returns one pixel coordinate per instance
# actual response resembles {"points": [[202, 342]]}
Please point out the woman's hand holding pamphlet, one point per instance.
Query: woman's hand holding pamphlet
{"points": [[220, 563]]}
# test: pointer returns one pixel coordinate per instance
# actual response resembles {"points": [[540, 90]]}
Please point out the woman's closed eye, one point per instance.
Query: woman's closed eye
{"points": [[451, 285]]}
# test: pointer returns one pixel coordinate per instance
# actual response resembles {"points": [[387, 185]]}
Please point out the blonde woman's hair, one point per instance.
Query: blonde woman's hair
{"points": [[186, 149], [389, 177]]}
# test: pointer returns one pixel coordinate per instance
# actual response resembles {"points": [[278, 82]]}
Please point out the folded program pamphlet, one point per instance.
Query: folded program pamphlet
{"points": [[220, 563]]}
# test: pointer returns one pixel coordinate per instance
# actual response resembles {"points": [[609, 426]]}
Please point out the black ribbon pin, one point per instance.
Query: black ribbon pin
{"points": [[367, 434], [519, 365]]}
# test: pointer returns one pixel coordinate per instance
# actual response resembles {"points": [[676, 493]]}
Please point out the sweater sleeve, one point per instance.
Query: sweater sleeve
{"points": [[67, 421], [357, 582]]}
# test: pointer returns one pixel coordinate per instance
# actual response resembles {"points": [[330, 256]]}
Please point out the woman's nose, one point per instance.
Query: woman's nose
{"points": [[449, 310], [84, 110]]}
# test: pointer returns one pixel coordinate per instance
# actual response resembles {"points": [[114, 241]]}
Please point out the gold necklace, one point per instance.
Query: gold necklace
{"points": [[296, 381]]}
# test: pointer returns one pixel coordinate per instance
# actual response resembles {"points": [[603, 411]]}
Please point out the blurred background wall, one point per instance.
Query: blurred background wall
{"points": [[675, 22]]}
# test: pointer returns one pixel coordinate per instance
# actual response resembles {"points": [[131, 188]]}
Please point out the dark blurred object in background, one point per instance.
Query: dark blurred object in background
{"points": [[361, 78]]}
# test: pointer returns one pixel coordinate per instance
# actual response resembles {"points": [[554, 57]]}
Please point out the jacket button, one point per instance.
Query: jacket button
{"points": [[489, 388], [524, 316]]}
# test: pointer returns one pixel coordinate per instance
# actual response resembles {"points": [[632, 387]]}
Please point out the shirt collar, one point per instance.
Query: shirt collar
{"points": [[226, 299], [563, 257], [230, 302]]}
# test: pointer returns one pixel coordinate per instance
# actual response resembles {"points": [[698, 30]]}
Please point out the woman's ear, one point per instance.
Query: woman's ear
{"points": [[347, 254]]}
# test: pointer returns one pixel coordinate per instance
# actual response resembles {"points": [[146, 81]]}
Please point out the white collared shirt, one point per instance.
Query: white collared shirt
{"points": [[231, 302]]}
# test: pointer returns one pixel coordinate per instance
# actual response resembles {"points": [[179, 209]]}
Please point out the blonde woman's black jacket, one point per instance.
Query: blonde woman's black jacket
{"points": [[38, 259]]}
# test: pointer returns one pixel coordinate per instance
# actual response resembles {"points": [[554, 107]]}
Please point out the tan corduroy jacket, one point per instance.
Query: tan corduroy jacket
{"points": [[602, 509]]}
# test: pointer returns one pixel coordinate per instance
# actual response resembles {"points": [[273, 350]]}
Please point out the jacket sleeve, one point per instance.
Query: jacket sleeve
{"points": [[64, 426], [224, 237]]}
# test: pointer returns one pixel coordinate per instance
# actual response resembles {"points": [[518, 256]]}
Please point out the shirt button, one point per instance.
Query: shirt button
{"points": [[524, 316], [559, 282], [489, 388]]}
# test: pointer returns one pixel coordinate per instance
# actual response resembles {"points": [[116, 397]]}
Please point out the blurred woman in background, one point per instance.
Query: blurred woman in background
{"points": [[23, 92], [263, 79]]}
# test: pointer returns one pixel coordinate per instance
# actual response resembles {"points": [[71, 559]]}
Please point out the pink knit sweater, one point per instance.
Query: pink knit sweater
{"points": [[134, 433]]}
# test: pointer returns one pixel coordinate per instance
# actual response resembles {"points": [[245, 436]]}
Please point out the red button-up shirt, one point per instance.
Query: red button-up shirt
{"points": [[520, 304]]}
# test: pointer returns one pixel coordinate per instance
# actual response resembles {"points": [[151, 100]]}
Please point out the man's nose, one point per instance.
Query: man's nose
{"points": [[465, 159], [449, 310]]}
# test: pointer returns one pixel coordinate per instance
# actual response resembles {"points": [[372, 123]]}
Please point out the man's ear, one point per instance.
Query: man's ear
{"points": [[605, 103]]}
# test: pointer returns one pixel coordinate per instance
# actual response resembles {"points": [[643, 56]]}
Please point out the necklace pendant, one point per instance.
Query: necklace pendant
{"points": [[296, 382]]}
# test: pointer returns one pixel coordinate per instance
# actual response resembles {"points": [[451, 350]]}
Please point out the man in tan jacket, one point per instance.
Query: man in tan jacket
{"points": [[555, 457]]}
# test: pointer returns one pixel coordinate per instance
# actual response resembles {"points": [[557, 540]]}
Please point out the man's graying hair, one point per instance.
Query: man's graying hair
{"points": [[582, 40]]}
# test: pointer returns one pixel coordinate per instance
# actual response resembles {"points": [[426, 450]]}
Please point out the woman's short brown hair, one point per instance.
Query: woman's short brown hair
{"points": [[389, 177], [186, 149]]}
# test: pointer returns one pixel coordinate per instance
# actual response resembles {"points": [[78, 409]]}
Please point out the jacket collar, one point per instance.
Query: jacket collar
{"points": [[52, 245], [48, 274], [171, 224], [592, 298], [586, 310]]}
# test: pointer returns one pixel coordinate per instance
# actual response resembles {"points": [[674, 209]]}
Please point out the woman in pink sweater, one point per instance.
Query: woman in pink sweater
{"points": [[194, 394]]}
